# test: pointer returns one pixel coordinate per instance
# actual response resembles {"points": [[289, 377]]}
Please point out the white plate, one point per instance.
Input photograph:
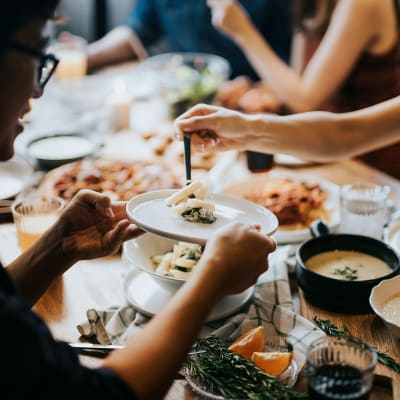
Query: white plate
{"points": [[15, 176], [150, 213], [293, 235], [149, 298], [290, 161], [380, 294]]}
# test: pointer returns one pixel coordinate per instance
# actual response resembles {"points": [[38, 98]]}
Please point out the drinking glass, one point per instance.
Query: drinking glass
{"points": [[33, 216], [339, 369], [72, 52], [363, 209]]}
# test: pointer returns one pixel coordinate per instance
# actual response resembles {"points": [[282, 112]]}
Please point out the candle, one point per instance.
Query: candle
{"points": [[120, 106]]}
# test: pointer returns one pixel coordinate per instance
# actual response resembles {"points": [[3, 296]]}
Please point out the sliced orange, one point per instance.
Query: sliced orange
{"points": [[273, 363], [249, 342]]}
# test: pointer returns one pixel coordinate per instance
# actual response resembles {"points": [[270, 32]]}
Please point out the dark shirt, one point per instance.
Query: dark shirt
{"points": [[186, 27], [36, 366]]}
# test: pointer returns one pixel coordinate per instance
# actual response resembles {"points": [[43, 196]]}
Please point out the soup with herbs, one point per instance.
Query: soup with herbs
{"points": [[348, 265]]}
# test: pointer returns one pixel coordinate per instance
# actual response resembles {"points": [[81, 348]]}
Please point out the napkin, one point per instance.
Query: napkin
{"points": [[271, 306]]}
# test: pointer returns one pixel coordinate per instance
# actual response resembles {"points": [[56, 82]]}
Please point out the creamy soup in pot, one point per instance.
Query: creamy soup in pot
{"points": [[348, 265], [391, 309]]}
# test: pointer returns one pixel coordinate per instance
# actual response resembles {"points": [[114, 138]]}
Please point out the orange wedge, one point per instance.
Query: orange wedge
{"points": [[273, 363], [249, 342]]}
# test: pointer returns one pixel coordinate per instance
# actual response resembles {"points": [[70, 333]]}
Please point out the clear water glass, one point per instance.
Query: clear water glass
{"points": [[339, 369], [363, 209]]}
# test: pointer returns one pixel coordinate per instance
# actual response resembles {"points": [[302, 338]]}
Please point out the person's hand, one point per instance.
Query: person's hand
{"points": [[92, 226], [259, 99], [230, 17], [235, 256], [214, 127], [230, 92]]}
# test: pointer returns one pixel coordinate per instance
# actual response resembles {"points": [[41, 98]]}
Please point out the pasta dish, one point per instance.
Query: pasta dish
{"points": [[190, 203], [178, 263], [295, 203]]}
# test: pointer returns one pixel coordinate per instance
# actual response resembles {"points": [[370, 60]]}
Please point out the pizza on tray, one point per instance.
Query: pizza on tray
{"points": [[121, 180]]}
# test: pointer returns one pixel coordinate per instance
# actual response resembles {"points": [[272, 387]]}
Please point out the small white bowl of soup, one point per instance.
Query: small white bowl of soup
{"points": [[338, 271], [385, 302]]}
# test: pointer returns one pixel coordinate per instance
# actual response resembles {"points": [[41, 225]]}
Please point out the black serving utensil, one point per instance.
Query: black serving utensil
{"points": [[188, 162]]}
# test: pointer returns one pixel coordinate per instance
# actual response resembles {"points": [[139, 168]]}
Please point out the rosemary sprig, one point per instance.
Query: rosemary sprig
{"points": [[227, 374], [332, 330], [347, 272]]}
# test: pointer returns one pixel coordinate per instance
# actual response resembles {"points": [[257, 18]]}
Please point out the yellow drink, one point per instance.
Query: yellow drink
{"points": [[73, 64], [33, 216], [32, 227]]}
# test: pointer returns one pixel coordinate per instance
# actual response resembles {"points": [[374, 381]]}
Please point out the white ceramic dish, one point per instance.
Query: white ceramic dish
{"points": [[51, 151], [290, 161], [148, 291], [293, 235], [380, 294], [15, 176], [150, 213], [138, 252]]}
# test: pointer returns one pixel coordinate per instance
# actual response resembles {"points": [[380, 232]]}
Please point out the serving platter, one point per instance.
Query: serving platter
{"points": [[149, 212], [15, 176], [291, 234]]}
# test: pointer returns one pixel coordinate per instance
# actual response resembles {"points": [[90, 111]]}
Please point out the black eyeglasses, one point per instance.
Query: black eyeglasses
{"points": [[47, 63]]}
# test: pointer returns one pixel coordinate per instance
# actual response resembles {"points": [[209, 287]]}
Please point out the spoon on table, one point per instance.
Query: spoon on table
{"points": [[188, 163]]}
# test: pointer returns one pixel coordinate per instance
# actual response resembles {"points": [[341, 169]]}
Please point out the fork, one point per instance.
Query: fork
{"points": [[188, 163]]}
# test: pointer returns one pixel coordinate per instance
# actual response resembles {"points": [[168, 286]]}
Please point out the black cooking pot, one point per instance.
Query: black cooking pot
{"points": [[334, 294]]}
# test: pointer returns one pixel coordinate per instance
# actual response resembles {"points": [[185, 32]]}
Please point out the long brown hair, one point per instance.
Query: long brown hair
{"points": [[312, 16]]}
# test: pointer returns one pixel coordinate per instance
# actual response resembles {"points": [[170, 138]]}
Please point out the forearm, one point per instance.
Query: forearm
{"points": [[119, 45], [37, 268], [323, 136], [284, 81], [151, 361]]}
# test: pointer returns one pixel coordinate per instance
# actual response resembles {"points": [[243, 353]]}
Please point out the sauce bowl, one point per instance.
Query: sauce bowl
{"points": [[380, 295], [338, 295]]}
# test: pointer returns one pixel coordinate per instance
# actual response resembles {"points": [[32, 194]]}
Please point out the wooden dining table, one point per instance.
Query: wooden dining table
{"points": [[99, 283]]}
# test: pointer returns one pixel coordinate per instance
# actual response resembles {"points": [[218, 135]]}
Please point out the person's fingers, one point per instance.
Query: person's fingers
{"points": [[132, 232], [100, 202], [203, 126], [116, 235], [119, 209]]}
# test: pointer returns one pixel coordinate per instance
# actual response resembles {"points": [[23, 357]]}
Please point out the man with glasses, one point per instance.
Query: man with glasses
{"points": [[34, 364], [47, 63]]}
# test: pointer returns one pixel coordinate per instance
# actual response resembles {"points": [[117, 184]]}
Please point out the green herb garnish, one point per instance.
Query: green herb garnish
{"points": [[347, 272], [332, 330], [201, 215], [224, 373]]}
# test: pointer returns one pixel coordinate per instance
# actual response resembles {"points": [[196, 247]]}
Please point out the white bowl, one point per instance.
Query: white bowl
{"points": [[149, 292], [139, 252], [380, 294]]}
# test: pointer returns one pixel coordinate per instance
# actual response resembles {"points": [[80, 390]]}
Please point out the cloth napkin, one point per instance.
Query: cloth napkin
{"points": [[271, 306]]}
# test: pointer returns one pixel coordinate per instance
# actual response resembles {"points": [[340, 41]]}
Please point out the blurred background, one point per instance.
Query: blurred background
{"points": [[91, 19]]}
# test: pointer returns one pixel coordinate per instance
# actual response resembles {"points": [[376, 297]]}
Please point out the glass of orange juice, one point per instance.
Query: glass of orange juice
{"points": [[33, 216], [72, 52]]}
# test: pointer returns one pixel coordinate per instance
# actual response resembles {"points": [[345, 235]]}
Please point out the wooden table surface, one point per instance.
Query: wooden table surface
{"points": [[99, 284]]}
